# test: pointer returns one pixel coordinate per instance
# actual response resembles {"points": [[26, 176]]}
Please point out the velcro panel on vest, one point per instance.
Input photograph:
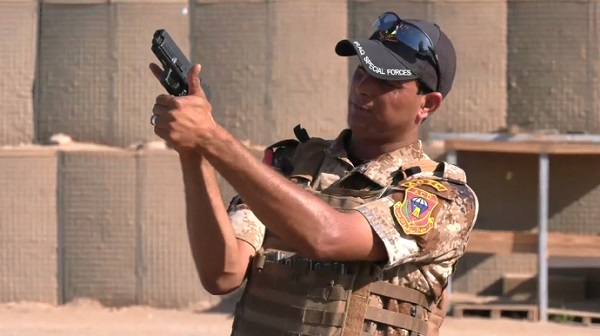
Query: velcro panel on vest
{"points": [[264, 310], [359, 300], [400, 293], [396, 320], [283, 299], [297, 298]]}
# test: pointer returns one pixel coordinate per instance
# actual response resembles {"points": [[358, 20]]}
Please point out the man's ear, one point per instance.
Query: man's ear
{"points": [[429, 104]]}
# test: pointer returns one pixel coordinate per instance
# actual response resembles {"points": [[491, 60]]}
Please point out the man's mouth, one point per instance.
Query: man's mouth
{"points": [[361, 107]]}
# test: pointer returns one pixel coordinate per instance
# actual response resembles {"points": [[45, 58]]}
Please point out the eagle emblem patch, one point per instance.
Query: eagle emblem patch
{"points": [[414, 213]]}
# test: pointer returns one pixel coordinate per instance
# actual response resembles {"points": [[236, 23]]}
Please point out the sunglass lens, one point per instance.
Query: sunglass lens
{"points": [[413, 37], [386, 22]]}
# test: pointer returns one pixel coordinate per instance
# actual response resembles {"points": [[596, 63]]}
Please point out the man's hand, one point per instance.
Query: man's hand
{"points": [[183, 122]]}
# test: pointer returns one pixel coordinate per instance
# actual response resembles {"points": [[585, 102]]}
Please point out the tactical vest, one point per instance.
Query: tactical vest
{"points": [[287, 294]]}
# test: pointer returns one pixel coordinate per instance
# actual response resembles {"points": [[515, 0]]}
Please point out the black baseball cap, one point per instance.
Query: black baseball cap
{"points": [[403, 49]]}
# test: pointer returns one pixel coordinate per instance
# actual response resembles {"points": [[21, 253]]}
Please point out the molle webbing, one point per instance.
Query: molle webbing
{"points": [[360, 310], [316, 301], [400, 293], [396, 320]]}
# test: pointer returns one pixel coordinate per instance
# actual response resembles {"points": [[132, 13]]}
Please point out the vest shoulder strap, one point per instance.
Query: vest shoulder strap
{"points": [[443, 170]]}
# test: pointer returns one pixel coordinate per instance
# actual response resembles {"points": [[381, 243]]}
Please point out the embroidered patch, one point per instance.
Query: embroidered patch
{"points": [[414, 213], [415, 183]]}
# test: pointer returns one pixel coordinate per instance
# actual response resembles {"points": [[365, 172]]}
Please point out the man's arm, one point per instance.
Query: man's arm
{"points": [[221, 260], [296, 216]]}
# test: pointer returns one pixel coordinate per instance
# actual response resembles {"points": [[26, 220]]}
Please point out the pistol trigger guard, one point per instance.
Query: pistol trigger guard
{"points": [[166, 73], [166, 81]]}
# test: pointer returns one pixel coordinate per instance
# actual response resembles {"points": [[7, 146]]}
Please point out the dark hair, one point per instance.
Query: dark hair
{"points": [[422, 89]]}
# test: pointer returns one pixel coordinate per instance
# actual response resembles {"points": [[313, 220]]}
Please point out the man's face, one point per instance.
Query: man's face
{"points": [[383, 110]]}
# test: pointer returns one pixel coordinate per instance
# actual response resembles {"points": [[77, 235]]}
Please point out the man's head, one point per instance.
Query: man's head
{"points": [[407, 68]]}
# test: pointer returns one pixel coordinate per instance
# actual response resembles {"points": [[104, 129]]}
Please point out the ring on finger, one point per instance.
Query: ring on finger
{"points": [[153, 119]]}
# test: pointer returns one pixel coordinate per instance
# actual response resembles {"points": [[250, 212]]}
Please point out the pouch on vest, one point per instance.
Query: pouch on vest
{"points": [[280, 154]]}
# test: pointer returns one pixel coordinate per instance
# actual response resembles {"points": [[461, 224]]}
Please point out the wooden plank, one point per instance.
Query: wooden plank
{"points": [[495, 311], [525, 147], [509, 242], [575, 313], [501, 242]]}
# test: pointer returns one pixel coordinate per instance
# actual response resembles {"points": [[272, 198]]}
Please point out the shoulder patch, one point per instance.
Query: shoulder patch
{"points": [[424, 181], [415, 212]]}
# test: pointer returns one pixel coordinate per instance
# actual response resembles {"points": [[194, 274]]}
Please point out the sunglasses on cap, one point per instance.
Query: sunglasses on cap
{"points": [[392, 28]]}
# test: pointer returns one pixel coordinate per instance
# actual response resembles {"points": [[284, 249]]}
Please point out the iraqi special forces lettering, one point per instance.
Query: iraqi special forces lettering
{"points": [[422, 210]]}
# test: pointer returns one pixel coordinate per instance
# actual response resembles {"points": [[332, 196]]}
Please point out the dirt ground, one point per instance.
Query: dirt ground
{"points": [[90, 319]]}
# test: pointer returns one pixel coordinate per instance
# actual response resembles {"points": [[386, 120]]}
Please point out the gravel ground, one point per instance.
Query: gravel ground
{"points": [[91, 319]]}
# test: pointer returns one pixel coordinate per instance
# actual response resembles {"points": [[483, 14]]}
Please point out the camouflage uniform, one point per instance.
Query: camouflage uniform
{"points": [[422, 210]]}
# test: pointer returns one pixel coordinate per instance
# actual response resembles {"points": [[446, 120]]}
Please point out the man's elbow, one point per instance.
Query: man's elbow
{"points": [[322, 247], [223, 284]]}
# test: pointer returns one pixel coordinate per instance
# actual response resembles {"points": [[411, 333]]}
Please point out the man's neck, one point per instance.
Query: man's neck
{"points": [[369, 150]]}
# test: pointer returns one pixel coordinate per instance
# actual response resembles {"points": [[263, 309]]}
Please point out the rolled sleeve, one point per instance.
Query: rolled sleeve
{"points": [[419, 226], [399, 247], [246, 225]]}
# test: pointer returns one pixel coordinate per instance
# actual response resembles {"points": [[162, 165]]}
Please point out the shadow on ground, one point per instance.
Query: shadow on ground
{"points": [[226, 305]]}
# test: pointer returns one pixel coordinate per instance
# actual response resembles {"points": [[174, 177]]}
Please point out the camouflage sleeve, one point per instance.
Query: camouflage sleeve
{"points": [[246, 225], [423, 220]]}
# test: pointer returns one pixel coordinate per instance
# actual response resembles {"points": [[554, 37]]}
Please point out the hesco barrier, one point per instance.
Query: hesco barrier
{"points": [[272, 65], [18, 28], [93, 73]]}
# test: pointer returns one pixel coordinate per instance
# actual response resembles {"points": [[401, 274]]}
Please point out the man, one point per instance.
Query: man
{"points": [[352, 236]]}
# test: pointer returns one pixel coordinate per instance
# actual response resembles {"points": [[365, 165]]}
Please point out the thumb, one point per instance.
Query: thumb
{"points": [[194, 87]]}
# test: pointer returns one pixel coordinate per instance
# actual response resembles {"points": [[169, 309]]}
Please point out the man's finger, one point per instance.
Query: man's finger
{"points": [[161, 111], [156, 70], [195, 89], [165, 100], [162, 133]]}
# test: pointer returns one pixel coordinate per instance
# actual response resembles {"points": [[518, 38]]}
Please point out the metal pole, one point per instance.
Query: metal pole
{"points": [[544, 179]]}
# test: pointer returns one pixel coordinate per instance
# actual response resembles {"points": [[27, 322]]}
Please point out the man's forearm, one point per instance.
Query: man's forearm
{"points": [[290, 212], [212, 240]]}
